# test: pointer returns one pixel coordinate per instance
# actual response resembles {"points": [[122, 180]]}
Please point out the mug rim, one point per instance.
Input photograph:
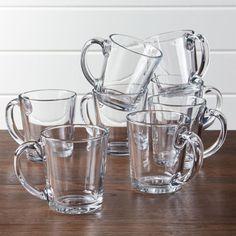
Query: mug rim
{"points": [[70, 95], [178, 85], [82, 140], [200, 103], [138, 40], [167, 35], [149, 124], [143, 91]]}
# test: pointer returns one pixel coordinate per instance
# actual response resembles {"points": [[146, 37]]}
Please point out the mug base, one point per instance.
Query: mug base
{"points": [[76, 204], [118, 149], [155, 185]]}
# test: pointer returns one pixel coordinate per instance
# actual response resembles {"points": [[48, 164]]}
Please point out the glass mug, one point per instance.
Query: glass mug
{"points": [[40, 109], [109, 109], [198, 112], [127, 60], [75, 165], [157, 144], [194, 88], [180, 55]]}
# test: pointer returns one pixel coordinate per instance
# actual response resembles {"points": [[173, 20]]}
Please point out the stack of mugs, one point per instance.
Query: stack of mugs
{"points": [[148, 103]]}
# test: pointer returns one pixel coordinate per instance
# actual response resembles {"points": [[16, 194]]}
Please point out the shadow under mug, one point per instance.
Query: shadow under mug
{"points": [[157, 144], [127, 60], [198, 112], [109, 109], [39, 109], [75, 165]]}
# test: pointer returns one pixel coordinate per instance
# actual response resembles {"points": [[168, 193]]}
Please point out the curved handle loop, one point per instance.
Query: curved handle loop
{"points": [[202, 67], [17, 168], [185, 138], [84, 108], [218, 107], [106, 47], [10, 122], [222, 135]]}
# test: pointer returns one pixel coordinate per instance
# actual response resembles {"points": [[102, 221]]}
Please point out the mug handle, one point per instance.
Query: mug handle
{"points": [[106, 47], [10, 122], [17, 168], [191, 39], [84, 108], [215, 114], [183, 138], [219, 102]]}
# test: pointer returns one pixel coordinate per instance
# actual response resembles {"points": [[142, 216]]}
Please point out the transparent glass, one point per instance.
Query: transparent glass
{"points": [[127, 60], [195, 87], [39, 109], [109, 109], [185, 54], [157, 144], [196, 109], [75, 165]]}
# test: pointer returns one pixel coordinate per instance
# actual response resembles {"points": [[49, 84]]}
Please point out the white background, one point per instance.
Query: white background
{"points": [[41, 40]]}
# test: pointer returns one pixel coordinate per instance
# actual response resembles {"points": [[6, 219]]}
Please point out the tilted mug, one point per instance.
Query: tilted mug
{"points": [[127, 60], [185, 54]]}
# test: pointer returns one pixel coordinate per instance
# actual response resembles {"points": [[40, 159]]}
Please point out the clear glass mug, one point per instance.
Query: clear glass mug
{"points": [[39, 109], [74, 159], [181, 52], [157, 144], [198, 112], [127, 60], [109, 109], [195, 87]]}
